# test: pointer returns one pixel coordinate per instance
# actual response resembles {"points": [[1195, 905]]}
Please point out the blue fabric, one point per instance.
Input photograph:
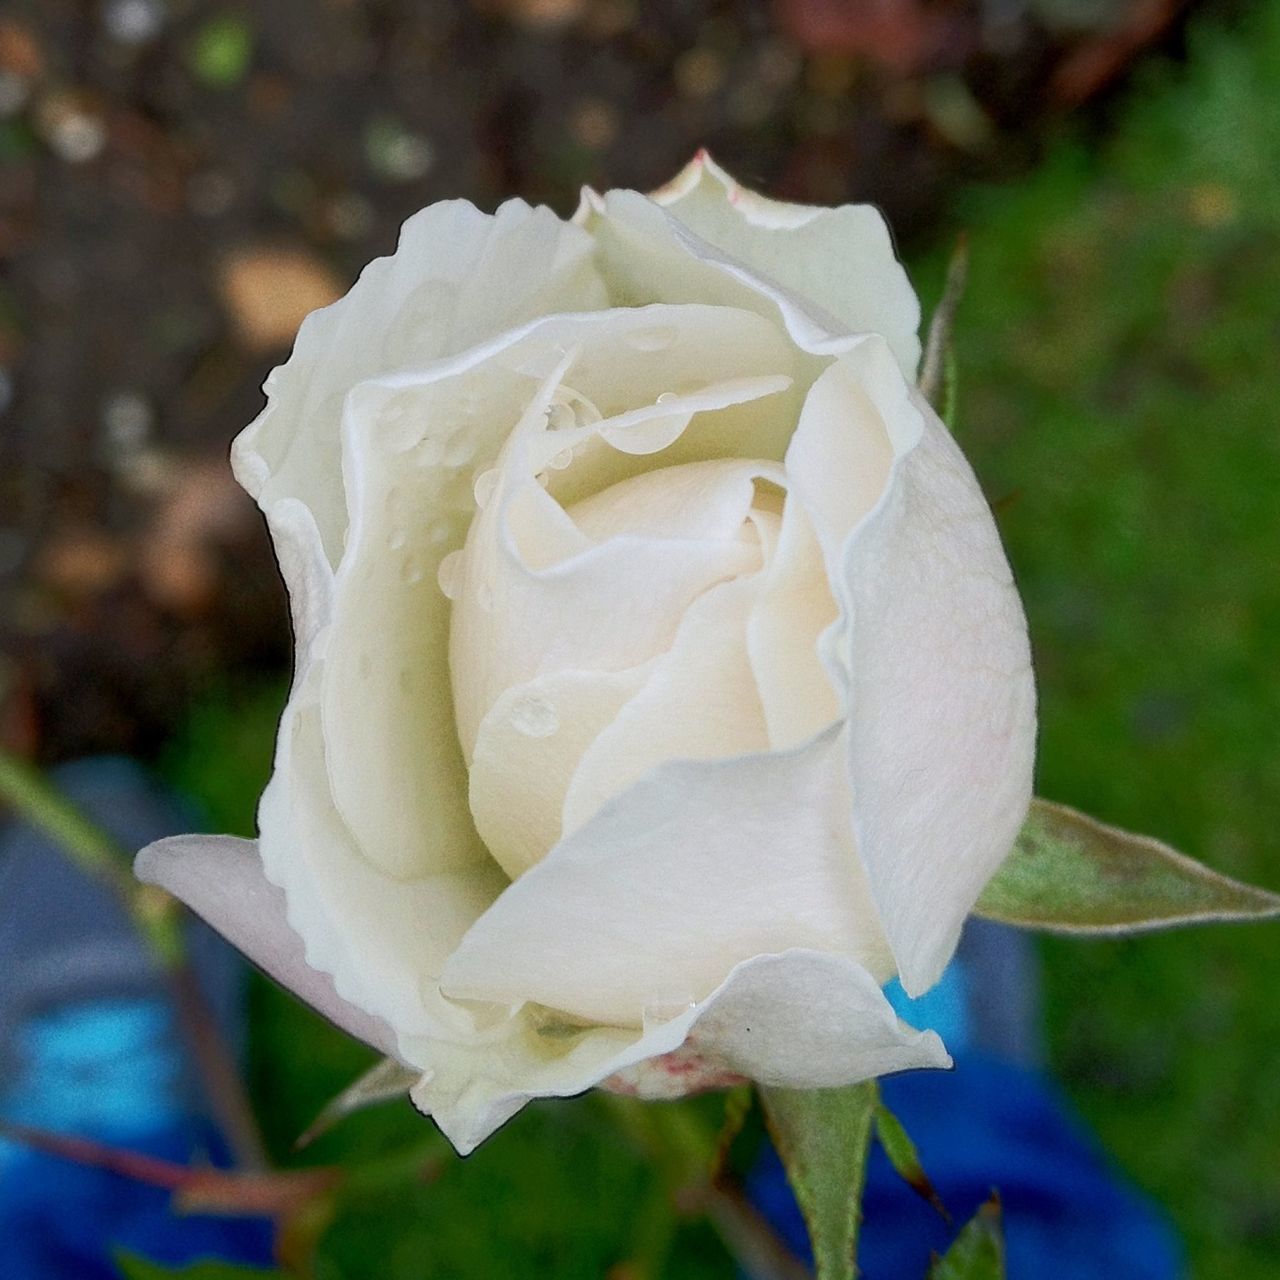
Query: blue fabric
{"points": [[90, 1048], [1067, 1213], [108, 1070]]}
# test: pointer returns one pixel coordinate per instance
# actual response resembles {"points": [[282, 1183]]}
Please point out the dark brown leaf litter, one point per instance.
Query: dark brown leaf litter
{"points": [[181, 179]]}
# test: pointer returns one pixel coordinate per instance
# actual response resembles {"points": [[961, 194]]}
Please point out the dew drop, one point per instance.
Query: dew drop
{"points": [[485, 486], [438, 531], [398, 425], [561, 460], [570, 409], [411, 570], [658, 338], [397, 539], [667, 397], [534, 717], [459, 448], [449, 575]]}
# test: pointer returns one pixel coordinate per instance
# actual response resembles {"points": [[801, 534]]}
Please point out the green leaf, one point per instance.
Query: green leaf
{"points": [[134, 1267], [823, 1136], [978, 1251], [905, 1159], [383, 1081], [937, 364], [1069, 873]]}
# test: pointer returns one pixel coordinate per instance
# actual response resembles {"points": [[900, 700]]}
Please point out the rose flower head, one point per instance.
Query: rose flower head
{"points": [[661, 686]]}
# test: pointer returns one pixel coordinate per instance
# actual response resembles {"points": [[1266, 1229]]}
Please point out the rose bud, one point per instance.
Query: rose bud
{"points": [[662, 690]]}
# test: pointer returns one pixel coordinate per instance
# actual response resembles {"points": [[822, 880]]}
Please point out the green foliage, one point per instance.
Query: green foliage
{"points": [[823, 1136], [978, 1251], [1072, 874], [133, 1267], [1117, 345]]}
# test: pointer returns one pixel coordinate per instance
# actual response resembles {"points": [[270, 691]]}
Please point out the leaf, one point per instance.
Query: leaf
{"points": [[978, 1251], [905, 1159], [937, 366], [1069, 873], [134, 1267], [383, 1081], [823, 1136]]}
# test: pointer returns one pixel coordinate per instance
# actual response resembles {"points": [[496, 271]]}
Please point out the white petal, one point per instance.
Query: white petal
{"points": [[805, 1020], [799, 1019], [221, 879], [457, 278], [699, 703], [697, 867], [527, 749], [841, 259], [857, 418], [789, 615], [384, 939], [941, 700]]}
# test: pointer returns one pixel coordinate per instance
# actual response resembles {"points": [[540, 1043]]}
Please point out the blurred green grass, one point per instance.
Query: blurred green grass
{"points": [[1119, 355]]}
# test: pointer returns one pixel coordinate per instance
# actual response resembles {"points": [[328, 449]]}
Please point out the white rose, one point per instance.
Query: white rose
{"points": [[662, 690]]}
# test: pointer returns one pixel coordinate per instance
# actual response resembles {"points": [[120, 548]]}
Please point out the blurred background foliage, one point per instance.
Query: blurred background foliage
{"points": [[180, 181]]}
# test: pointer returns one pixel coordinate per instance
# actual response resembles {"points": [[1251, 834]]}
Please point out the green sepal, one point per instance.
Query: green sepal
{"points": [[385, 1080], [905, 1159], [822, 1137], [978, 1251], [1069, 873]]}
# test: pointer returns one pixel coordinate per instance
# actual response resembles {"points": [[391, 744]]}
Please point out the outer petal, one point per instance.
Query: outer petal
{"points": [[384, 940], [221, 879], [802, 1018], [842, 259], [697, 867], [457, 278], [941, 700], [799, 1020]]}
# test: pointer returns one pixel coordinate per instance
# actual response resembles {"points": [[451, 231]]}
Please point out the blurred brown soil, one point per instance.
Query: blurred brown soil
{"points": [[180, 182]]}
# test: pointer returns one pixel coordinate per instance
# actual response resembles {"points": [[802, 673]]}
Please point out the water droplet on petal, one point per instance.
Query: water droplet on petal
{"points": [[657, 338], [399, 426], [533, 716], [438, 531], [449, 575], [411, 570], [561, 460], [397, 539], [485, 486], [667, 397], [570, 409], [459, 448]]}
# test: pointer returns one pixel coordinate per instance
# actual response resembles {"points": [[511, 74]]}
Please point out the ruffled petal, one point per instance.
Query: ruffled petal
{"points": [[799, 1019], [842, 258], [458, 278]]}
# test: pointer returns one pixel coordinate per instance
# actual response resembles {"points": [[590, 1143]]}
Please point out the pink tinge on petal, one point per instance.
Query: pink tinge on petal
{"points": [[220, 878]]}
